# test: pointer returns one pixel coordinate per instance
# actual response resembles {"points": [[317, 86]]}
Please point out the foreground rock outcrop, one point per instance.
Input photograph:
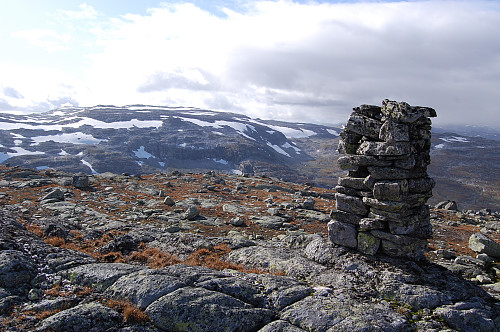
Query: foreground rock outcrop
{"points": [[113, 256]]}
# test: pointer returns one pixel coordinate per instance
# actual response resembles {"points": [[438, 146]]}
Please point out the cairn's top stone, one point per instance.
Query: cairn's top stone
{"points": [[403, 112]]}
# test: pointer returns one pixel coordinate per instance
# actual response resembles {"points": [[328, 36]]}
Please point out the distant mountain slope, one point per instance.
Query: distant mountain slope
{"points": [[466, 169], [145, 139]]}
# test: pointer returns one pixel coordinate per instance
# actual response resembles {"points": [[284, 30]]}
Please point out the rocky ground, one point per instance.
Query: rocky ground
{"points": [[209, 252]]}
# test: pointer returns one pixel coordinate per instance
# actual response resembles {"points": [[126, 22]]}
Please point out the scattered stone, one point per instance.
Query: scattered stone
{"points": [[169, 201], [81, 181], [317, 285], [55, 195], [191, 213], [445, 254], [237, 221]]}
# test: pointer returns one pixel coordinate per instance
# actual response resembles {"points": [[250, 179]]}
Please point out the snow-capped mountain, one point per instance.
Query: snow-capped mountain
{"points": [[144, 139]]}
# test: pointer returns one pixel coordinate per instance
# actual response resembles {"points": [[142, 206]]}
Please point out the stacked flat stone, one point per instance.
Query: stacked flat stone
{"points": [[381, 204]]}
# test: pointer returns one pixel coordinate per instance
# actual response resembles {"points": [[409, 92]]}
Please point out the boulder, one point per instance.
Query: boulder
{"points": [[16, 269], [169, 201], [55, 195], [384, 149], [467, 316], [81, 181], [481, 243], [191, 213]]}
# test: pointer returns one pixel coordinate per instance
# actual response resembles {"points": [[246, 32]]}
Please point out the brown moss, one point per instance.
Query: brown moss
{"points": [[130, 312], [55, 241], [155, 258]]}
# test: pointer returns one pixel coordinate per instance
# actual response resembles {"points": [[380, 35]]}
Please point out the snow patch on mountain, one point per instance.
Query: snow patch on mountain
{"points": [[333, 132], [455, 139], [278, 149], [74, 138], [220, 161], [142, 153], [86, 163]]}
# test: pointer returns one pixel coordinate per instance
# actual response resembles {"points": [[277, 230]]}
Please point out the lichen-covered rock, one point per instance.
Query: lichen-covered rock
{"points": [[83, 318], [191, 213], [99, 275], [323, 251], [143, 287], [384, 149], [324, 314], [351, 204], [403, 112], [238, 288], [467, 317], [54, 196], [63, 259], [275, 260], [347, 217], [81, 181], [351, 162], [199, 309], [352, 182], [391, 131], [343, 234], [363, 125], [16, 269], [280, 326], [367, 243], [390, 206]]}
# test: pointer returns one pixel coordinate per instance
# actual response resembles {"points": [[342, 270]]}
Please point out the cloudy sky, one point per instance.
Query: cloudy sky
{"points": [[302, 61]]}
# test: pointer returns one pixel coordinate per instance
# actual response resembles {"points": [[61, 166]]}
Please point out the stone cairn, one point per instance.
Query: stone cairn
{"points": [[381, 204]]}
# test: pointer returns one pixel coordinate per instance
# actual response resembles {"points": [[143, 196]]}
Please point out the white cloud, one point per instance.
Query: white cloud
{"points": [[292, 61], [49, 40], [86, 12]]}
